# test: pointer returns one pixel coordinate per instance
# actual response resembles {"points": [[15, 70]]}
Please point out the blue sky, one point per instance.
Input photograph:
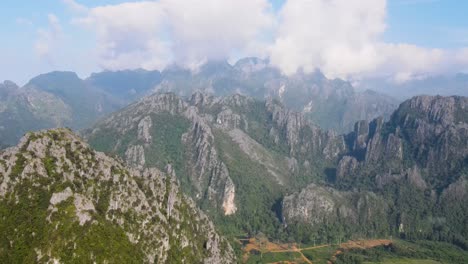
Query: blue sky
{"points": [[427, 24]]}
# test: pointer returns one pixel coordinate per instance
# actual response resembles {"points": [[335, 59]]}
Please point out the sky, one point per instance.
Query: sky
{"points": [[349, 39]]}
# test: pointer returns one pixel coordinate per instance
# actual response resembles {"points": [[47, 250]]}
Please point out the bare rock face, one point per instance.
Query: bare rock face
{"points": [[229, 205], [207, 173], [135, 156], [302, 137], [315, 205], [417, 161], [424, 141], [144, 127], [346, 166], [85, 193], [311, 205], [205, 164]]}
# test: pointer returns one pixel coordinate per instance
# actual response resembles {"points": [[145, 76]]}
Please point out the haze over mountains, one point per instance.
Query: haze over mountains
{"points": [[63, 99]]}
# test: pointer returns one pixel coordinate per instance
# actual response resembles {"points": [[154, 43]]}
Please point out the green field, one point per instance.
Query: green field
{"points": [[320, 255], [400, 252], [274, 257], [406, 261], [405, 252]]}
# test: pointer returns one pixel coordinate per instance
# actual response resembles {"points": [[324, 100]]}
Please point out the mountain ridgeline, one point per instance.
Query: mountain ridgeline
{"points": [[255, 166], [225, 151], [331, 104], [62, 202], [62, 99], [58, 99]]}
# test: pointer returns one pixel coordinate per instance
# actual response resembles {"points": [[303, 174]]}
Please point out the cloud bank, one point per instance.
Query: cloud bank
{"points": [[342, 38]]}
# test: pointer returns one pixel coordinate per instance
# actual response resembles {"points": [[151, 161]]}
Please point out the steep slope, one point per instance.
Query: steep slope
{"points": [[225, 151], [63, 202], [417, 163]]}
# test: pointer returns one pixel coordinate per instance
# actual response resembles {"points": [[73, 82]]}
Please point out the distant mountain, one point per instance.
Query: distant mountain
{"points": [[62, 99], [62, 202], [125, 85], [445, 85], [87, 103], [25, 109], [332, 104]]}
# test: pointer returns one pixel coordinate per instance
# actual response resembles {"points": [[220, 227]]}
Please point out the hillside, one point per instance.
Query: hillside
{"points": [[416, 163], [246, 163], [225, 151], [63, 202]]}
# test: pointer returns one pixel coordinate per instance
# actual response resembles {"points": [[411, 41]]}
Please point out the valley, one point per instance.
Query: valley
{"points": [[234, 132], [259, 250], [255, 167]]}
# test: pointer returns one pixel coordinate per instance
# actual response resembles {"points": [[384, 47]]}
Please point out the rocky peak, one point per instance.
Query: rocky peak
{"points": [[9, 85], [436, 109], [237, 100], [250, 65], [169, 102], [6, 89], [200, 99], [88, 200]]}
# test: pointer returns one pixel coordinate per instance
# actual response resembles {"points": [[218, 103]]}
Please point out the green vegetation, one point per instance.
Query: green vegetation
{"points": [[25, 228], [19, 166], [166, 145], [406, 252], [256, 191], [271, 257], [320, 255]]}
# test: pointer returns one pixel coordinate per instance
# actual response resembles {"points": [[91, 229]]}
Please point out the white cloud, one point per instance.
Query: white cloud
{"points": [[337, 36], [342, 38], [214, 29], [46, 42], [153, 34], [129, 35]]}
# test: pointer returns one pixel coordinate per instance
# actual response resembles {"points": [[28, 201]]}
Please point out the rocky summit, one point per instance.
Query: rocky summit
{"points": [[63, 202]]}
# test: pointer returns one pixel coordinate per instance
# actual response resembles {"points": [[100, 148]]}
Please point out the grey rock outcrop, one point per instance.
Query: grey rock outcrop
{"points": [[316, 205], [94, 190]]}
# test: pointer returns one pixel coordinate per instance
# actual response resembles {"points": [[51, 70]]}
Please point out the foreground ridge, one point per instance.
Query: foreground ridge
{"points": [[61, 201]]}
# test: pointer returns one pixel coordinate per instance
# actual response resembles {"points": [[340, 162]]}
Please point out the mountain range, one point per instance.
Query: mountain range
{"points": [[255, 166], [175, 166], [58, 99]]}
